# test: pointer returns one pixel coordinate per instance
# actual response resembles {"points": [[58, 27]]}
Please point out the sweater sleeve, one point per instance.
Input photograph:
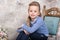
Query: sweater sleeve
{"points": [[19, 30], [34, 27]]}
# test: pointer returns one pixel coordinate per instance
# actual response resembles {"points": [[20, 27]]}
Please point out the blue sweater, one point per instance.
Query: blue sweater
{"points": [[38, 25]]}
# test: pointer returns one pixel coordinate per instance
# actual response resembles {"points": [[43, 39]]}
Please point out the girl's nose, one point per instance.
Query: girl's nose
{"points": [[32, 11]]}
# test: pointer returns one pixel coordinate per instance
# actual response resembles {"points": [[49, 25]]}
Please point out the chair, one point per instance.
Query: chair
{"points": [[51, 17]]}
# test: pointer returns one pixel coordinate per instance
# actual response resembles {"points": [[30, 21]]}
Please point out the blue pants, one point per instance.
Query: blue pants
{"points": [[33, 36]]}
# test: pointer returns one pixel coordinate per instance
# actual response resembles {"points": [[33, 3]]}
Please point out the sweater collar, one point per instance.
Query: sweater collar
{"points": [[32, 22]]}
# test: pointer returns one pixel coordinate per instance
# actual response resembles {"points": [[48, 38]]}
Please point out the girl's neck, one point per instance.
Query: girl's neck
{"points": [[32, 19]]}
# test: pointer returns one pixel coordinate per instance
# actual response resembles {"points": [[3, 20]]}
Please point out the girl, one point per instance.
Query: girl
{"points": [[35, 27]]}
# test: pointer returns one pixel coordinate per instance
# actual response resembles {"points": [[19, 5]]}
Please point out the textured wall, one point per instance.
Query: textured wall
{"points": [[14, 12], [11, 16]]}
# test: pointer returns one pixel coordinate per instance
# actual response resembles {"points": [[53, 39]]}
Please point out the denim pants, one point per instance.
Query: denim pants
{"points": [[33, 36]]}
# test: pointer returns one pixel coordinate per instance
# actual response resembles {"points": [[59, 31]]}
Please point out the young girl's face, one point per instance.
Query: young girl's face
{"points": [[33, 11]]}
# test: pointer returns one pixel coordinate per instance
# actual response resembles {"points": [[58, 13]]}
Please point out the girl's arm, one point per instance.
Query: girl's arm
{"points": [[20, 29], [32, 29]]}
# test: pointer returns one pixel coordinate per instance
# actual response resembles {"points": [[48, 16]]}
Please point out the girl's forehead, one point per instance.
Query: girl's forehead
{"points": [[33, 7]]}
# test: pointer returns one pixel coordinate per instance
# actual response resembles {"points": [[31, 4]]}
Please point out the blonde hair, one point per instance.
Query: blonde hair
{"points": [[34, 3]]}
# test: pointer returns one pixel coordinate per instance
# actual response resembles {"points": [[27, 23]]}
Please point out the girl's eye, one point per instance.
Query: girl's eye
{"points": [[34, 11], [30, 10]]}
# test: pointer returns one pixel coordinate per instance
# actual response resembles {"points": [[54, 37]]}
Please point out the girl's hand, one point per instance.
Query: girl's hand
{"points": [[26, 32]]}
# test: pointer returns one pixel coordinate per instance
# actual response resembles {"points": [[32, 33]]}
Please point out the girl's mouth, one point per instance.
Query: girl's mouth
{"points": [[32, 15]]}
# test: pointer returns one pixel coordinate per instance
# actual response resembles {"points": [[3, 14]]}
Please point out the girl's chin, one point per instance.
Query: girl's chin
{"points": [[33, 17]]}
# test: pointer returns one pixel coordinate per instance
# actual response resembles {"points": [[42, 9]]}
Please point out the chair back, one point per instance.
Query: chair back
{"points": [[51, 18]]}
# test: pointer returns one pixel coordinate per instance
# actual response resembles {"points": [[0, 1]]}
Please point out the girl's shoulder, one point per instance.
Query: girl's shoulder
{"points": [[40, 18]]}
